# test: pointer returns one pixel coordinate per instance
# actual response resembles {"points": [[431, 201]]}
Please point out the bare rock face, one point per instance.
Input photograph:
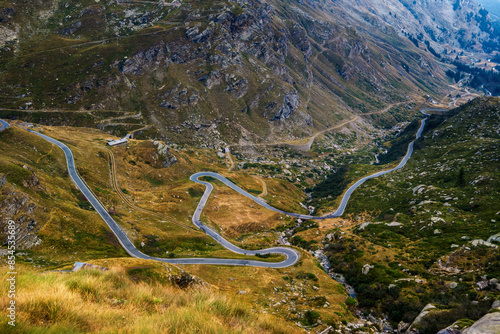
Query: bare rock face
{"points": [[214, 79], [32, 181], [450, 330], [186, 280], [426, 310], [7, 36], [18, 207], [71, 29], [6, 14], [455, 328], [168, 159], [489, 324], [238, 88], [290, 103], [202, 37], [144, 60], [179, 97]]}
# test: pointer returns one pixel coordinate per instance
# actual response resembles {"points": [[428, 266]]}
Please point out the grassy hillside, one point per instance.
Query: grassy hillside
{"points": [[422, 228], [133, 296], [59, 227]]}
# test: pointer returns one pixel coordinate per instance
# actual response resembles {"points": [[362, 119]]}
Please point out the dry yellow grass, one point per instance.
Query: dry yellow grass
{"points": [[89, 301], [267, 289], [236, 214], [66, 239]]}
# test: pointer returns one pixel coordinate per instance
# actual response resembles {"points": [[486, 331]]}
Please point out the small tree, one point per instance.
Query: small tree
{"points": [[461, 178]]}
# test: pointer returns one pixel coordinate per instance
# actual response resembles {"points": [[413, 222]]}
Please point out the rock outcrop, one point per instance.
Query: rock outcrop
{"points": [[290, 103], [426, 310], [168, 159], [32, 181], [489, 324], [17, 206]]}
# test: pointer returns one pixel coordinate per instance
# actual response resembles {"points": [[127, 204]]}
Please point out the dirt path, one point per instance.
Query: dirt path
{"points": [[305, 144], [227, 151], [264, 185], [298, 144], [105, 40]]}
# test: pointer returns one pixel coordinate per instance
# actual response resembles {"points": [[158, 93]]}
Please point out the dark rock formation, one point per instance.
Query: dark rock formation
{"points": [[186, 280], [214, 79], [238, 88], [18, 207], [32, 182], [6, 14], [290, 103], [70, 30]]}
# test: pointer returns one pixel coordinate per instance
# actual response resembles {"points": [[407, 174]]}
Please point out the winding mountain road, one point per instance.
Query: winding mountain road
{"points": [[347, 195], [292, 256]]}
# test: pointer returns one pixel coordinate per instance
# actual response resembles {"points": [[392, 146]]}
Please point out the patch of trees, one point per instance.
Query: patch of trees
{"points": [[456, 76], [484, 22], [413, 40], [491, 45], [332, 186], [299, 241], [399, 145], [496, 59], [481, 78]]}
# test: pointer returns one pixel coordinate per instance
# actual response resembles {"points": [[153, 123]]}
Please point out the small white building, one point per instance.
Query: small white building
{"points": [[117, 142]]}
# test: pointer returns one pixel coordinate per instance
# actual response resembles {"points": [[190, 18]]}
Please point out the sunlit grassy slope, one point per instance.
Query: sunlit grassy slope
{"points": [[71, 231], [133, 296]]}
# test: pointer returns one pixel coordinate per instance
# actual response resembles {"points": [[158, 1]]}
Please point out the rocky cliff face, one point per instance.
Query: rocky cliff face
{"points": [[166, 157], [443, 26], [271, 69], [17, 206]]}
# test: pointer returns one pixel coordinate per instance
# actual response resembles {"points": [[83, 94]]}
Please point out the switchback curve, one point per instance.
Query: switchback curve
{"points": [[292, 256], [345, 198]]}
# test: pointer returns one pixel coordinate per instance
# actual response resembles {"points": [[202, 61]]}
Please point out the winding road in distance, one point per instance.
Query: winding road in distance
{"points": [[345, 199], [292, 256]]}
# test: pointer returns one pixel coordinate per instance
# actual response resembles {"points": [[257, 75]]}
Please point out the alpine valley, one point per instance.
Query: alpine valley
{"points": [[202, 166]]}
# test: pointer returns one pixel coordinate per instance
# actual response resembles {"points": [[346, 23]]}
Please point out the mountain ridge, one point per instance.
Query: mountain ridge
{"points": [[211, 74]]}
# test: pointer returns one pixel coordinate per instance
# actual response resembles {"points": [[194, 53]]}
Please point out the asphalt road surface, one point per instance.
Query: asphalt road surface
{"points": [[3, 125], [337, 213], [292, 256]]}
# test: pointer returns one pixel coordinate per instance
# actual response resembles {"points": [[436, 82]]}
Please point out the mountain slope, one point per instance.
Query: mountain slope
{"points": [[428, 233], [208, 72], [448, 26], [492, 6]]}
